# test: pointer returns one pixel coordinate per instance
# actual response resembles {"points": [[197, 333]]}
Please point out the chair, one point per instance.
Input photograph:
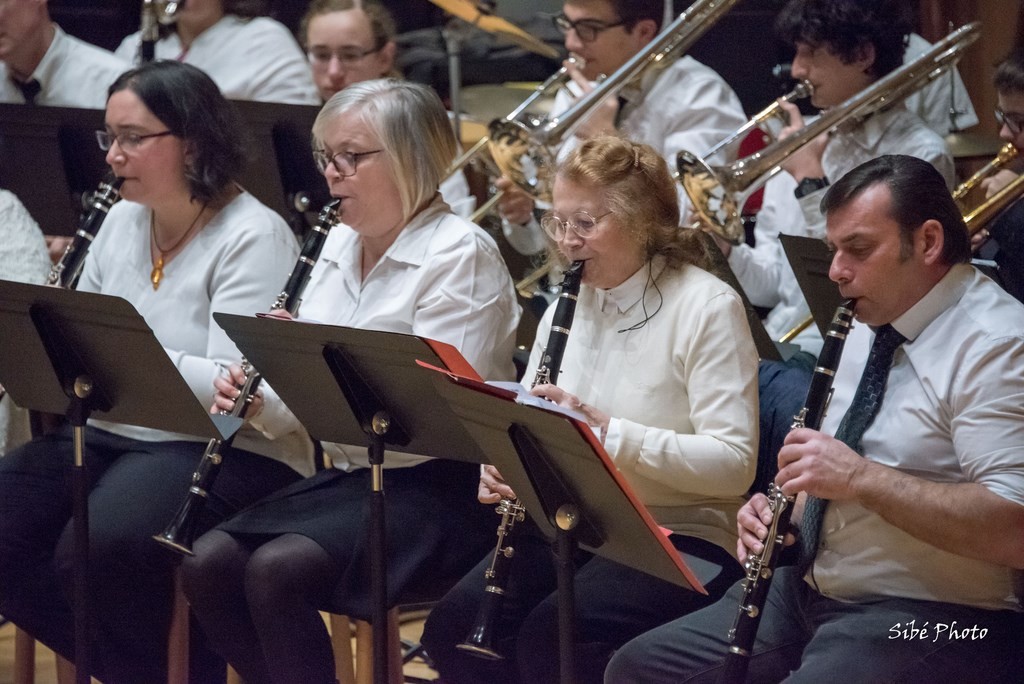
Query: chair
{"points": [[177, 648], [359, 670]]}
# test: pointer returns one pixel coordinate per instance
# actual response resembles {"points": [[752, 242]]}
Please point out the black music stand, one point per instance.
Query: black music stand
{"points": [[811, 260], [64, 352], [280, 140], [556, 465], [385, 401], [51, 159]]}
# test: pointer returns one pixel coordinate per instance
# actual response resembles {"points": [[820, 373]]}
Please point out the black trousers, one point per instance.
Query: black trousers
{"points": [[614, 603], [135, 488]]}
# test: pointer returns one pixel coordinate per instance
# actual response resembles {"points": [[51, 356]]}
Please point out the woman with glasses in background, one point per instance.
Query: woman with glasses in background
{"points": [[184, 242], [660, 360], [350, 41], [402, 262], [248, 55]]}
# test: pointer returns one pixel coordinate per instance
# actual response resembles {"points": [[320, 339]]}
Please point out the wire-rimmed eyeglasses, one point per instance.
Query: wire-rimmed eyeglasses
{"points": [[582, 223], [348, 55]]}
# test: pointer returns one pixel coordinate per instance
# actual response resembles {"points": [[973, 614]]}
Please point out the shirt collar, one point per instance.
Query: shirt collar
{"points": [[869, 132], [409, 247], [629, 292], [47, 68], [946, 293]]}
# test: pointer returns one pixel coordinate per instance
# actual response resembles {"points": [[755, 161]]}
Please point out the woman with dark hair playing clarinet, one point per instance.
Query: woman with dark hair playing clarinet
{"points": [[184, 242], [660, 360]]}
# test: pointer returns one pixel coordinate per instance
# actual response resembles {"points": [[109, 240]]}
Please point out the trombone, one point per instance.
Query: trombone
{"points": [[553, 83], [718, 192], [525, 151]]}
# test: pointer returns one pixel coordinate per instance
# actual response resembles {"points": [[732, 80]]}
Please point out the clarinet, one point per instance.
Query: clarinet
{"points": [[480, 640], [181, 531], [760, 568], [64, 273]]}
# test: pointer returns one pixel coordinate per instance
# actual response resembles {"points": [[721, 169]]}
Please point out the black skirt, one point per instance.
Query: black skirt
{"points": [[436, 529]]}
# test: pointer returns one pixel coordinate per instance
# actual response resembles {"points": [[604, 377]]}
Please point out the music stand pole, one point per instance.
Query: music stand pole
{"points": [[454, 33], [78, 414], [76, 382], [375, 421]]}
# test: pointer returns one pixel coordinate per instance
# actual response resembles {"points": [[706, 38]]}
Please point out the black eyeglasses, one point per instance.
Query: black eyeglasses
{"points": [[581, 223], [346, 55], [344, 163], [586, 29], [128, 142], [1014, 122]]}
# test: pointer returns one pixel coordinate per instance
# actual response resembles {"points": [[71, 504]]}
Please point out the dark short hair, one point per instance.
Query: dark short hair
{"points": [[189, 103], [632, 11], [1010, 73], [846, 26], [918, 193]]}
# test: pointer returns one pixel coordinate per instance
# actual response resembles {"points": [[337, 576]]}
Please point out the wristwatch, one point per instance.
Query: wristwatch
{"points": [[809, 185]]}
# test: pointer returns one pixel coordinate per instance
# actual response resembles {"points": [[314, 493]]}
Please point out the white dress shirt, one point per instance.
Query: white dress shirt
{"points": [[443, 278], [686, 106], [681, 390], [933, 102], [236, 264], [24, 259], [249, 59], [952, 412], [764, 271], [72, 73]]}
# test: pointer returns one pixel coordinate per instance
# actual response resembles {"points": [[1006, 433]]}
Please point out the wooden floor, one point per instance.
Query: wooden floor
{"points": [[46, 670]]}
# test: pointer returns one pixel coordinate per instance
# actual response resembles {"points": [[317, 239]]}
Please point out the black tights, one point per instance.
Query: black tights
{"points": [[257, 599]]}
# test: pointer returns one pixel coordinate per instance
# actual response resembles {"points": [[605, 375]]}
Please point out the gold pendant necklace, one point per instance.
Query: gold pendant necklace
{"points": [[157, 274]]}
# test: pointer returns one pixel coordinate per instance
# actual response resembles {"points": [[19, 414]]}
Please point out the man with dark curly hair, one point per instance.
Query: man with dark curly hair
{"points": [[842, 47]]}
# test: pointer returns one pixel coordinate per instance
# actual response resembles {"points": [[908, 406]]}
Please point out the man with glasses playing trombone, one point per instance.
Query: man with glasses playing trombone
{"points": [[683, 106]]}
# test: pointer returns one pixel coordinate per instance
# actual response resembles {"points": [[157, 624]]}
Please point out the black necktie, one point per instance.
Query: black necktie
{"points": [[862, 411], [29, 89], [621, 113]]}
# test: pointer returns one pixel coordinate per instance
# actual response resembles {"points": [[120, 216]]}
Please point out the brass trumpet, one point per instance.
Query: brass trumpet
{"points": [[1006, 154], [982, 215], [718, 192]]}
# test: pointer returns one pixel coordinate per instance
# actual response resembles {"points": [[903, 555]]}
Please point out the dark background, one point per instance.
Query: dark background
{"points": [[740, 46]]}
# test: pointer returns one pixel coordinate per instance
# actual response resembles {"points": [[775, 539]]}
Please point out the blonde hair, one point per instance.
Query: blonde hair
{"points": [[639, 191], [413, 129]]}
